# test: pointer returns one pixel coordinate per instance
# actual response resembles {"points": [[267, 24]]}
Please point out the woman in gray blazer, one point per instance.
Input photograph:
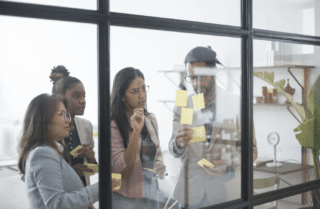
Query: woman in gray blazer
{"points": [[50, 181]]}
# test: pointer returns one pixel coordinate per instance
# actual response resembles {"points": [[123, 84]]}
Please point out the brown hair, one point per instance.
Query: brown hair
{"points": [[39, 114]]}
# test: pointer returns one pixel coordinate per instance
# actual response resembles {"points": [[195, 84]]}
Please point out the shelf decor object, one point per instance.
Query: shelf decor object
{"points": [[274, 139], [307, 133], [289, 90]]}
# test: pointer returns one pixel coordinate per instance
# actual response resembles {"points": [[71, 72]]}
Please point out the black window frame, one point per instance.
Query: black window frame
{"points": [[103, 18]]}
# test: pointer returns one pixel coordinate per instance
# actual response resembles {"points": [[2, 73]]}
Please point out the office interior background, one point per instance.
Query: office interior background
{"points": [[31, 47]]}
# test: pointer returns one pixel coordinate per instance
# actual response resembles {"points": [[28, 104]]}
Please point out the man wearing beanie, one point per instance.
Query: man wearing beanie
{"points": [[198, 186]]}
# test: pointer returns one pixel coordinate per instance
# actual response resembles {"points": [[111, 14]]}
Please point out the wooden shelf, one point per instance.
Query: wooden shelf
{"points": [[283, 66], [273, 105]]}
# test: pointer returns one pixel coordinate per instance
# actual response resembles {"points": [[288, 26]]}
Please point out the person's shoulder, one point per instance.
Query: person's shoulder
{"points": [[152, 116], [41, 151], [82, 120]]}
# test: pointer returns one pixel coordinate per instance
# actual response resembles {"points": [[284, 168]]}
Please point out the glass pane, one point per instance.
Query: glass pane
{"points": [[79, 4], [160, 57], [29, 50], [298, 16], [276, 117], [210, 11], [289, 202]]}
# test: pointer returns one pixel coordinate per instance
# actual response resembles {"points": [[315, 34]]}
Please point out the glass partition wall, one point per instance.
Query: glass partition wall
{"points": [[244, 136]]}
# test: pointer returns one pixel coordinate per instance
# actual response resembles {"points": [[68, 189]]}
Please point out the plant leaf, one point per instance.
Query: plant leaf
{"points": [[281, 84], [306, 136], [269, 77], [258, 74]]}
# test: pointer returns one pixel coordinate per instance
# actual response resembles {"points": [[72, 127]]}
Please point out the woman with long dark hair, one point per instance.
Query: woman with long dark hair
{"points": [[136, 152], [50, 181]]}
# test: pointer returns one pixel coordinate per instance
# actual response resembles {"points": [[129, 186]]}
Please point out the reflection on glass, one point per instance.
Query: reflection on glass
{"points": [[285, 203], [217, 11], [79, 4], [202, 99], [283, 111], [287, 16], [43, 46]]}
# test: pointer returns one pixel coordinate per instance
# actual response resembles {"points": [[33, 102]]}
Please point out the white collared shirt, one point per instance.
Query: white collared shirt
{"points": [[60, 147]]}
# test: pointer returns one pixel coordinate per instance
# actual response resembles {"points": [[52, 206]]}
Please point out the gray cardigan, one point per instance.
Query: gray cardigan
{"points": [[52, 183]]}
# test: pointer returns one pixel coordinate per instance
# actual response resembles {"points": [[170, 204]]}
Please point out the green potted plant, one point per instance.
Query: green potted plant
{"points": [[308, 132]]}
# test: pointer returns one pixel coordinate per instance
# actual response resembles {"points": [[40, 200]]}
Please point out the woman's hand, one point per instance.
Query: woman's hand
{"points": [[80, 169], [137, 119], [85, 151], [159, 169], [115, 184]]}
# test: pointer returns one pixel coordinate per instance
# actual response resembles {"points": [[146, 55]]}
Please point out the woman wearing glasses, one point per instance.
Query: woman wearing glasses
{"points": [[136, 152], [50, 181]]}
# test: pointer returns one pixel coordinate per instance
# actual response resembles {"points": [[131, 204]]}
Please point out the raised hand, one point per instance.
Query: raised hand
{"points": [[184, 136], [137, 119]]}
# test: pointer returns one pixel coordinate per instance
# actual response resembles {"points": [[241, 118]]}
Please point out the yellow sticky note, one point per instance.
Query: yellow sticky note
{"points": [[95, 134], [73, 152], [204, 161], [186, 116], [116, 176], [181, 98], [198, 102], [199, 134]]}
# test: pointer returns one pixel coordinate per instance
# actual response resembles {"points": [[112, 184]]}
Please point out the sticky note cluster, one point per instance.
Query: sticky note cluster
{"points": [[116, 176], [204, 161], [93, 167], [187, 113], [73, 152], [199, 134]]}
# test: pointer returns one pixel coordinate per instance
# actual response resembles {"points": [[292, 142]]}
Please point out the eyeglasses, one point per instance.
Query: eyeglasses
{"points": [[191, 79], [137, 91], [66, 115]]}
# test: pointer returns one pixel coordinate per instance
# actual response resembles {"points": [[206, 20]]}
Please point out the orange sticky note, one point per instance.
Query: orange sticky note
{"points": [[116, 176], [186, 116], [204, 161], [181, 98], [198, 102], [199, 134]]}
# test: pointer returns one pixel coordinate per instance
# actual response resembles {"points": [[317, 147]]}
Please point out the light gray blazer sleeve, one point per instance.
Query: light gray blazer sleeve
{"points": [[173, 148], [46, 171]]}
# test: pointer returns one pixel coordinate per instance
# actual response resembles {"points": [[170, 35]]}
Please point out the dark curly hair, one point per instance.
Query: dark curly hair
{"points": [[61, 80]]}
